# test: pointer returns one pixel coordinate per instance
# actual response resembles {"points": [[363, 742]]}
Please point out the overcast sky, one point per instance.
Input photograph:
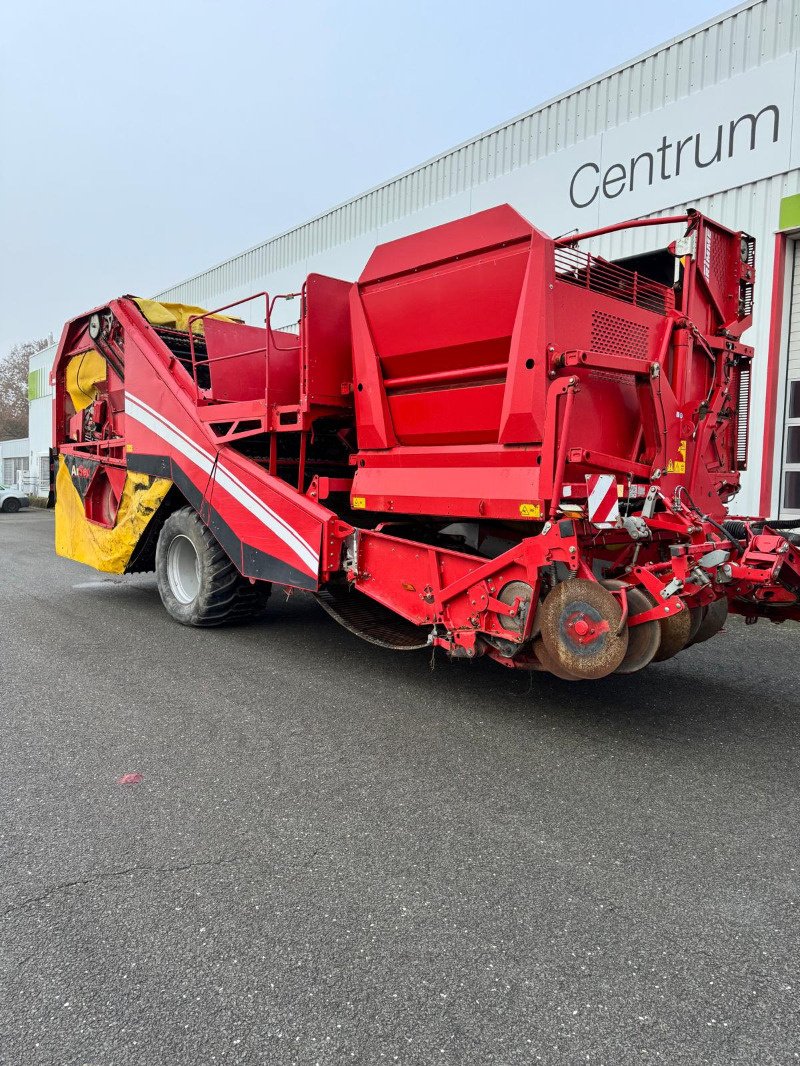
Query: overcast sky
{"points": [[145, 142]]}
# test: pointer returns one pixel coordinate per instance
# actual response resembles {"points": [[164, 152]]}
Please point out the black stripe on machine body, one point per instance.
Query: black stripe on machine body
{"points": [[251, 562], [157, 465]]}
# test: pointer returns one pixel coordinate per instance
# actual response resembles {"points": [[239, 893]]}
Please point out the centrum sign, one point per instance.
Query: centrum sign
{"points": [[745, 133], [720, 137], [713, 138]]}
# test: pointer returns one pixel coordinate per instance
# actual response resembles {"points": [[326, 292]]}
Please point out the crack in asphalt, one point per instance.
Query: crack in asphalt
{"points": [[112, 875]]}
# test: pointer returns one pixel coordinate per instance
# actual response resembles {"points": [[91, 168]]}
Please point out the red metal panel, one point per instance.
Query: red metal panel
{"points": [[523, 415], [373, 422], [327, 363], [237, 358], [451, 312], [597, 323], [485, 229], [445, 308], [508, 492], [466, 415], [607, 415]]}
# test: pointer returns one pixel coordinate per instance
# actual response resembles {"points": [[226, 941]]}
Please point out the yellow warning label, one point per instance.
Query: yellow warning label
{"points": [[359, 503], [678, 466], [530, 510]]}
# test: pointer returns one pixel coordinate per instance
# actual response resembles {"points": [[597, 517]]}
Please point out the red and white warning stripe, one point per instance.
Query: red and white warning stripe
{"points": [[603, 501]]}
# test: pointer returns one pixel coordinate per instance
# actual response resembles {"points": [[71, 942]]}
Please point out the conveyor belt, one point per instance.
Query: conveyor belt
{"points": [[372, 621]]}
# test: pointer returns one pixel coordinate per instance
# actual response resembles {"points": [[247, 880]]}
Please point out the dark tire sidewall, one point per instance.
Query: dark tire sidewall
{"points": [[224, 596], [184, 523]]}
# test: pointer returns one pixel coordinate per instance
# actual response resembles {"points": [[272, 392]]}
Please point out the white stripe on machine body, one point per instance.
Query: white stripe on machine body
{"points": [[227, 480], [168, 433]]}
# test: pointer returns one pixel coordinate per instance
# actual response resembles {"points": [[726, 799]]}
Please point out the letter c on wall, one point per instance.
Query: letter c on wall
{"points": [[586, 166]]}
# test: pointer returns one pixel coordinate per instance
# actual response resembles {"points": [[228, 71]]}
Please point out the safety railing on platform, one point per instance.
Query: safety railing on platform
{"points": [[269, 337]]}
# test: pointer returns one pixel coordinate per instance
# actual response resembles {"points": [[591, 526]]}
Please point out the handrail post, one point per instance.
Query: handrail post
{"points": [[266, 351], [194, 362]]}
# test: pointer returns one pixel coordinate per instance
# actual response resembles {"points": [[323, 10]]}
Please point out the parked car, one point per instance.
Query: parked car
{"points": [[12, 499]]}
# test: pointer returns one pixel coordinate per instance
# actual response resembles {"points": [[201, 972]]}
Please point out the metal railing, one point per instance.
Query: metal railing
{"points": [[269, 338], [587, 271]]}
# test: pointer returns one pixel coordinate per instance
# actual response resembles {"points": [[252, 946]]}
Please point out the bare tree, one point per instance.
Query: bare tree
{"points": [[14, 388]]}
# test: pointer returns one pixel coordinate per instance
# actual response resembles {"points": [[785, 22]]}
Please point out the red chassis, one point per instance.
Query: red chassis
{"points": [[512, 446]]}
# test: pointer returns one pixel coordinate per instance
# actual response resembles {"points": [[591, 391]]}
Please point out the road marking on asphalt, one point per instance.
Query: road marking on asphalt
{"points": [[99, 584]]}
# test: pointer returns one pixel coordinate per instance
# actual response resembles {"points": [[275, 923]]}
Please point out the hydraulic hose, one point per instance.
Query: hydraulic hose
{"points": [[726, 533], [738, 530], [775, 523]]}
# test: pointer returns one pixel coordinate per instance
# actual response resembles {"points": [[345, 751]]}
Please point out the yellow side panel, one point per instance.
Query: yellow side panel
{"points": [[84, 373], [105, 549], [174, 316]]}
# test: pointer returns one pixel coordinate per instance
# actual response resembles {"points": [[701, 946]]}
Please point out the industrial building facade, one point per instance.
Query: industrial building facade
{"points": [[707, 120]]}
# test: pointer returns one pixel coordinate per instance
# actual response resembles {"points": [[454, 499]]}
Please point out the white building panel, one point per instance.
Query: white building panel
{"points": [[40, 417]]}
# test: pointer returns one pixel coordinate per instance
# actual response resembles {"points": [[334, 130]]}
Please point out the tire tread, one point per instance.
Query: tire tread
{"points": [[225, 596]]}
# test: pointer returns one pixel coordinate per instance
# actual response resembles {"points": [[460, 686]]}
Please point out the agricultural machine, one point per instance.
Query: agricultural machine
{"points": [[493, 443]]}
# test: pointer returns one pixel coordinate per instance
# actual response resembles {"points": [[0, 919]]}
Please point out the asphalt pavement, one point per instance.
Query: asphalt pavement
{"points": [[340, 854]]}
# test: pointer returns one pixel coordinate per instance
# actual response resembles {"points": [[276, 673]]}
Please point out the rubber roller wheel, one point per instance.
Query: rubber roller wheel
{"points": [[676, 632], [714, 617], [696, 615], [581, 629], [644, 640], [508, 594], [549, 663]]}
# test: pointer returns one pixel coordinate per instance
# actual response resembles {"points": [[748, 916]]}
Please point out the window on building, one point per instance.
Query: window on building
{"points": [[12, 467], [44, 473], [794, 399], [791, 490]]}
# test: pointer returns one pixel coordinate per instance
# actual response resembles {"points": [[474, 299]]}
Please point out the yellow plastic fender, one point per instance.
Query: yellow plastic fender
{"points": [[88, 542]]}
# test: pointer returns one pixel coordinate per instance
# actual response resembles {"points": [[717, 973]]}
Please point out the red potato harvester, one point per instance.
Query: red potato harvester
{"points": [[494, 443]]}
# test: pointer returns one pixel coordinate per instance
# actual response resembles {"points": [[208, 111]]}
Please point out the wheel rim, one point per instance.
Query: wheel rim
{"points": [[183, 569]]}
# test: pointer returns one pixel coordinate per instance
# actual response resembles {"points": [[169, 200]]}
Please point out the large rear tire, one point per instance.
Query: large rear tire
{"points": [[11, 506], [197, 582]]}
